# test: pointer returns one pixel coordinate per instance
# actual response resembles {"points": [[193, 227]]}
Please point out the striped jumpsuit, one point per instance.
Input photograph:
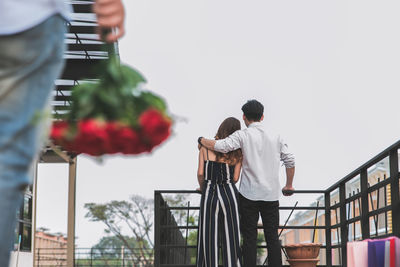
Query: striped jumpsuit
{"points": [[219, 216]]}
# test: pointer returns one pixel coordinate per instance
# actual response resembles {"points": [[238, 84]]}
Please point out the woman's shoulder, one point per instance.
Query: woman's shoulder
{"points": [[206, 151]]}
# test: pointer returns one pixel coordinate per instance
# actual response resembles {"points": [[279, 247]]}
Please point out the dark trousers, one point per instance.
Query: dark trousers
{"points": [[249, 213]]}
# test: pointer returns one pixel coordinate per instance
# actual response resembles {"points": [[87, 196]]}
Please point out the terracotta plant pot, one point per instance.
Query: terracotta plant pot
{"points": [[303, 251], [303, 262]]}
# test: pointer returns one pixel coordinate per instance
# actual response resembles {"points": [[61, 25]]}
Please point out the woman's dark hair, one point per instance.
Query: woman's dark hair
{"points": [[253, 110], [228, 127]]}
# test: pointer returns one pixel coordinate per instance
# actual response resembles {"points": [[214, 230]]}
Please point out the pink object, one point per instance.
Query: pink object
{"points": [[357, 254], [397, 249], [392, 253]]}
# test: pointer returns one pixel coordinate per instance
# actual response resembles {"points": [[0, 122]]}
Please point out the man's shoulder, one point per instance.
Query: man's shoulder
{"points": [[266, 130]]}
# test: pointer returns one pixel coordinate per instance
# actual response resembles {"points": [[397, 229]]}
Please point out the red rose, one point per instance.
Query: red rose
{"points": [[155, 126], [59, 130], [113, 129], [92, 137], [124, 139]]}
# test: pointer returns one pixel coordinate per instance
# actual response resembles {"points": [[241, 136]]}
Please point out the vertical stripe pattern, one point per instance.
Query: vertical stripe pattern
{"points": [[219, 218]]}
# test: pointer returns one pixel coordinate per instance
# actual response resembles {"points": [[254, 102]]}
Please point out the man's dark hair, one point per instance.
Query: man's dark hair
{"points": [[253, 110]]}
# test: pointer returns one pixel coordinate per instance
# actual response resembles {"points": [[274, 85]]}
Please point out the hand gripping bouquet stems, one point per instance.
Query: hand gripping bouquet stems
{"points": [[113, 115]]}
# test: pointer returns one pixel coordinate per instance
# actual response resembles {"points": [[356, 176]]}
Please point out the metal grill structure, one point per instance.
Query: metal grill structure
{"points": [[359, 206], [84, 50]]}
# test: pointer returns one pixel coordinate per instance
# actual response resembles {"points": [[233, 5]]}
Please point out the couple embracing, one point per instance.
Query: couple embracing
{"points": [[225, 213]]}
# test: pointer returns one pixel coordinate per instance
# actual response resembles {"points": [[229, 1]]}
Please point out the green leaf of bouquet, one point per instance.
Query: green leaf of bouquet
{"points": [[83, 100], [113, 73], [131, 77], [154, 101]]}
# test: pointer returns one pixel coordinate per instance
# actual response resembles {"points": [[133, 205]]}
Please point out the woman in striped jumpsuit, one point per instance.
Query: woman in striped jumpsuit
{"points": [[219, 216]]}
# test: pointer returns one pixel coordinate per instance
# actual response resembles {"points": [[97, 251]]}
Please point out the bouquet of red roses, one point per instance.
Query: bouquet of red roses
{"points": [[113, 115]]}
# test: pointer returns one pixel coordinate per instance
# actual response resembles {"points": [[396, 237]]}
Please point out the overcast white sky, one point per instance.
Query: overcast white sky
{"points": [[326, 71]]}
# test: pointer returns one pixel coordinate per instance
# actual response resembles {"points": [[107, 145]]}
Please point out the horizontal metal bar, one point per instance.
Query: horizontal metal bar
{"points": [[82, 29], [353, 198], [82, 8], [62, 98], [380, 210], [379, 185], [79, 69], [85, 47], [258, 227], [176, 192], [281, 208], [180, 208], [173, 246], [195, 191], [366, 165], [192, 265], [309, 191], [301, 208]]}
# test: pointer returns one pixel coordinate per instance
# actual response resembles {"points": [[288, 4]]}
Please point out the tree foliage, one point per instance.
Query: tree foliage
{"points": [[135, 215]]}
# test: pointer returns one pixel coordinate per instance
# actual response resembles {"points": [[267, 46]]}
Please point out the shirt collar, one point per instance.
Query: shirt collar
{"points": [[255, 124]]}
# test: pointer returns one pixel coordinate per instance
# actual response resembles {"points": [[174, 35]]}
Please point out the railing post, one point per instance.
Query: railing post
{"points": [[365, 231], [157, 229], [394, 189], [91, 257], [71, 213], [328, 234], [123, 256], [37, 258], [343, 224]]}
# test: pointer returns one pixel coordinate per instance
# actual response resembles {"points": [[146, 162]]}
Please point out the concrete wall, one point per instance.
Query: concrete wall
{"points": [[25, 259]]}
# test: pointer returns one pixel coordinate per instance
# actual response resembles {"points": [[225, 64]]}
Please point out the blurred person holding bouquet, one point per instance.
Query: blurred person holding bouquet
{"points": [[31, 58], [219, 210]]}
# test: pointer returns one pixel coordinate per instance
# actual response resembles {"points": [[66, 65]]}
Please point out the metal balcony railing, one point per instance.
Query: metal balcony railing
{"points": [[90, 257], [364, 204]]}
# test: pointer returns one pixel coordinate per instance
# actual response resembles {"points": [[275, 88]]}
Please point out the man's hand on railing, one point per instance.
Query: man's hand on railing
{"points": [[288, 190]]}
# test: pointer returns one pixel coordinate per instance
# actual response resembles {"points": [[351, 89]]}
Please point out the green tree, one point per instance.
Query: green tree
{"points": [[136, 214], [111, 246]]}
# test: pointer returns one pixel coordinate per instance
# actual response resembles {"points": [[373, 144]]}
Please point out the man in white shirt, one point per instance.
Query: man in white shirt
{"points": [[259, 186], [31, 58]]}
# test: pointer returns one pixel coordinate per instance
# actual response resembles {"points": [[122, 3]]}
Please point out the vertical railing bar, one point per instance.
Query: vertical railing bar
{"points": [[157, 222], [354, 215], [359, 206], [365, 231], [337, 231], [91, 257], [328, 230], [372, 207], [377, 207], [187, 232], [343, 223], [394, 190], [348, 214], [385, 201]]}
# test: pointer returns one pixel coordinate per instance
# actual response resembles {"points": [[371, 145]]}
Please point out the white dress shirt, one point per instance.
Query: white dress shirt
{"points": [[262, 152], [20, 15]]}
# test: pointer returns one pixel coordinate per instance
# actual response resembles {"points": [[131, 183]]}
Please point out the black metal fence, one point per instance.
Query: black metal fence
{"points": [[364, 204], [95, 257]]}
